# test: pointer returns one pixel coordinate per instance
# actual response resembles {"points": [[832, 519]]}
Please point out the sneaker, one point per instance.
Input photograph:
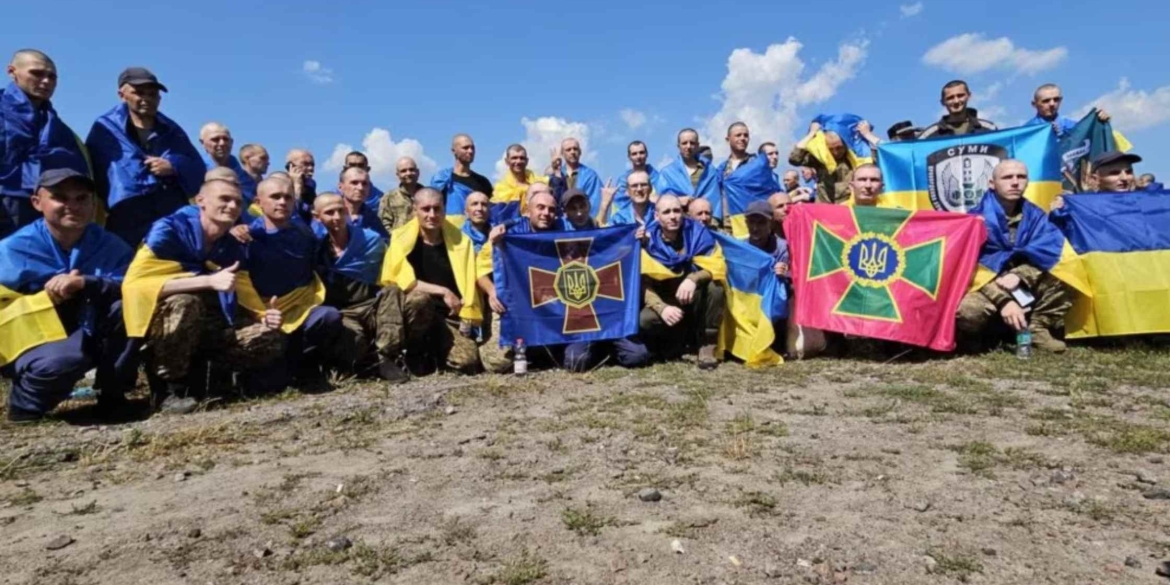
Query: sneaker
{"points": [[21, 416], [1042, 339], [173, 404], [391, 372], [707, 359]]}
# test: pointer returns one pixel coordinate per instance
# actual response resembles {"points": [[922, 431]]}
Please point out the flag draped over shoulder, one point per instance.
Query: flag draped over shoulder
{"points": [[1038, 242], [700, 251], [174, 248], [280, 264], [510, 197], [396, 268], [755, 298], [455, 194], [566, 287], [952, 173], [30, 257], [674, 178], [362, 258], [883, 273], [621, 200], [751, 181], [1123, 240], [588, 182], [1087, 139], [845, 126]]}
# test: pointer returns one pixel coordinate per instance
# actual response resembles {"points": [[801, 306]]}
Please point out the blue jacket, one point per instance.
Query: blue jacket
{"points": [[33, 140], [119, 162]]}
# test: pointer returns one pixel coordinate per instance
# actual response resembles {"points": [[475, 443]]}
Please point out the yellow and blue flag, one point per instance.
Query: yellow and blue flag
{"points": [[952, 173], [755, 299], [1124, 245], [858, 150], [566, 287], [30, 257], [751, 181], [510, 197]]}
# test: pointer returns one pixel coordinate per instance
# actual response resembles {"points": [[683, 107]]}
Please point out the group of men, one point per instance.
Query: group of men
{"points": [[208, 261]]}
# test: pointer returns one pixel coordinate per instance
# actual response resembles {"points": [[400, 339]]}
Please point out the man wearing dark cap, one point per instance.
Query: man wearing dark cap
{"points": [[902, 131], [32, 138], [760, 216], [577, 211], [61, 289], [1114, 171], [145, 166], [959, 119]]}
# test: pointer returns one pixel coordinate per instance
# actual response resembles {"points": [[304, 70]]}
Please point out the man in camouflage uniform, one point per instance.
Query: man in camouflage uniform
{"points": [[433, 308], [349, 262], [190, 319], [397, 207]]}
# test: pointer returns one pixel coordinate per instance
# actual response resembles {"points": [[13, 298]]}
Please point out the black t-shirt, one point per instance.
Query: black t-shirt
{"points": [[431, 265], [475, 182]]}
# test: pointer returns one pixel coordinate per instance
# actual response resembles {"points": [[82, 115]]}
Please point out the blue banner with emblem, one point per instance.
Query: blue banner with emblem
{"points": [[565, 287]]}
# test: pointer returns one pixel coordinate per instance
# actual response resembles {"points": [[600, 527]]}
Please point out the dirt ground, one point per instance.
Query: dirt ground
{"points": [[980, 470]]}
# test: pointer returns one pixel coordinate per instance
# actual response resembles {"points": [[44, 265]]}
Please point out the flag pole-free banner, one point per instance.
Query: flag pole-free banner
{"points": [[953, 173], [566, 287], [755, 300], [1123, 240], [883, 273]]}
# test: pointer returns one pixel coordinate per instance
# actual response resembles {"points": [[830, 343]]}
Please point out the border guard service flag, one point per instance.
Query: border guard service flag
{"points": [[952, 173], [564, 287], [883, 273]]}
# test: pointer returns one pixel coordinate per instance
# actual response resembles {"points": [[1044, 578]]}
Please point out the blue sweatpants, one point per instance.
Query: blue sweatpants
{"points": [[44, 375], [630, 352]]}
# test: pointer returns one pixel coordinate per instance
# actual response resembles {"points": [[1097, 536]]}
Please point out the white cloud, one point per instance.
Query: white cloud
{"points": [[973, 53], [383, 153], [766, 91], [633, 118], [910, 10], [544, 134], [317, 73], [1134, 109]]}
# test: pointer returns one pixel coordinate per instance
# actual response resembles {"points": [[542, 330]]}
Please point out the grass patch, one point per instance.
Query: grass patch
{"points": [[958, 565], [521, 569], [802, 476], [584, 522], [25, 497], [757, 503], [981, 458], [456, 531]]}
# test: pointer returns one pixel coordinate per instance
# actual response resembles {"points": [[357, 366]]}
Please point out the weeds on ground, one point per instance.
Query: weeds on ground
{"points": [[521, 569], [958, 565], [584, 522]]}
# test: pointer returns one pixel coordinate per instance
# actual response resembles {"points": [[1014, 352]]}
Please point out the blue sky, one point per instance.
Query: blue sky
{"points": [[394, 78]]}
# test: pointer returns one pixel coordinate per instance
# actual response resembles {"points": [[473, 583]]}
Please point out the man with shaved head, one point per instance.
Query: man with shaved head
{"points": [[354, 185], [397, 206], [865, 186], [180, 297], [510, 194], [477, 210], [1022, 246], [254, 160], [301, 166], [217, 148], [1046, 100], [33, 139], [832, 186], [457, 182], [432, 263], [144, 163], [566, 165], [691, 174], [682, 311], [361, 161], [700, 211], [349, 263]]}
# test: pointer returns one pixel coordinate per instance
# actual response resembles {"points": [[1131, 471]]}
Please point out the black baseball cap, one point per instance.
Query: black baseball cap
{"points": [[1113, 156], [139, 76], [570, 195], [760, 208], [54, 177]]}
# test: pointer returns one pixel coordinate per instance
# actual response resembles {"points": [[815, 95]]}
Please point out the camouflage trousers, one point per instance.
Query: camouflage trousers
{"points": [[371, 329], [977, 314], [496, 359], [428, 330], [185, 326]]}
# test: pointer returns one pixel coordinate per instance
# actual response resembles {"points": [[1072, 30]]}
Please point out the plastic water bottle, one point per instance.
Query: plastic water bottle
{"points": [[1024, 345], [519, 357]]}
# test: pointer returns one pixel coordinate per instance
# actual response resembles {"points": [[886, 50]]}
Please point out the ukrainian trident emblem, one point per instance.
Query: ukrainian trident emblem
{"points": [[576, 285]]}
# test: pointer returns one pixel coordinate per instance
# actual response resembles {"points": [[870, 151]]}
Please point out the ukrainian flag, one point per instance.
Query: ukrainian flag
{"points": [[1124, 244], [845, 126], [952, 173], [755, 298]]}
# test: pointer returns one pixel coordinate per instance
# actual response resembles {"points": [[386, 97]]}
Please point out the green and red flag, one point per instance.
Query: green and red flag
{"points": [[883, 273]]}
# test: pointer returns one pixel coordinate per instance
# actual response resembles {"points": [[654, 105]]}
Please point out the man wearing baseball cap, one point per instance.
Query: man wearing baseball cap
{"points": [[576, 210], [144, 163], [760, 220], [32, 137], [63, 286], [1114, 171]]}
